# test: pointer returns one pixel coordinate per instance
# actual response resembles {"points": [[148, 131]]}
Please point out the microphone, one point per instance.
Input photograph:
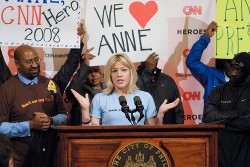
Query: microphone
{"points": [[125, 108], [139, 107]]}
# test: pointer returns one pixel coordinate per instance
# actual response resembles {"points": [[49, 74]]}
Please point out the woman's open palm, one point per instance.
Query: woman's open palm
{"points": [[83, 101]]}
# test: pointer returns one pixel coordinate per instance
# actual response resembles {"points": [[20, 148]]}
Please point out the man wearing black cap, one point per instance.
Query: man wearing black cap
{"points": [[229, 104]]}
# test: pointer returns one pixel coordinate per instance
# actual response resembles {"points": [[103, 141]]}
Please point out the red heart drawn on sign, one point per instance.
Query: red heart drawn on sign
{"points": [[143, 13]]}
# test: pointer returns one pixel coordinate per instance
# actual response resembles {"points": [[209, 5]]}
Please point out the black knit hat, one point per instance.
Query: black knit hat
{"points": [[94, 69], [243, 60]]}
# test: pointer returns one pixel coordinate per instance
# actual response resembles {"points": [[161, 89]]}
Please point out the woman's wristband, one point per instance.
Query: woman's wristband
{"points": [[85, 123]]}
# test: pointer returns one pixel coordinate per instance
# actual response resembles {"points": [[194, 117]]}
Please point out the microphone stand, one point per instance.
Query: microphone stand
{"points": [[132, 116]]}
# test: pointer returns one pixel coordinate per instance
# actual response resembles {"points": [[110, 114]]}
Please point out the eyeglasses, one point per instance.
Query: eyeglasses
{"points": [[29, 62]]}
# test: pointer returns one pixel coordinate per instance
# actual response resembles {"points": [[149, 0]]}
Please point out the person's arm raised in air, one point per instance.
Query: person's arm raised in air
{"points": [[81, 74], [193, 61], [66, 71], [211, 29]]}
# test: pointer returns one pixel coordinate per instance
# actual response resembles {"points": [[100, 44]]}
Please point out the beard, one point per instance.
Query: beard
{"points": [[35, 73], [238, 79], [30, 73]]}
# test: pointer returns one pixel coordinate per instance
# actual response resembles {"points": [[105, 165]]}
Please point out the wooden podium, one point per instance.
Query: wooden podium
{"points": [[138, 146]]}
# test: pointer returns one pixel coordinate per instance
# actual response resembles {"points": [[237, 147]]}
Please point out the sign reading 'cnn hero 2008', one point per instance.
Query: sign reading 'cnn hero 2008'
{"points": [[40, 23]]}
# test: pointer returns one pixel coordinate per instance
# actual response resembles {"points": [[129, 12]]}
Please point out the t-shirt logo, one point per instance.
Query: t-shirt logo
{"points": [[52, 86]]}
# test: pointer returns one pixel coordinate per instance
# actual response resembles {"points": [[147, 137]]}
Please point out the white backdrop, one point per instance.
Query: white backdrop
{"points": [[186, 21]]}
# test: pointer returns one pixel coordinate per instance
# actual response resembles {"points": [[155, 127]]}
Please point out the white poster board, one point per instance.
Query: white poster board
{"points": [[40, 23], [137, 28]]}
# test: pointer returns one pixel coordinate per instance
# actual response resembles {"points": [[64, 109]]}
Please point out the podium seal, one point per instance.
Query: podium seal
{"points": [[140, 154]]}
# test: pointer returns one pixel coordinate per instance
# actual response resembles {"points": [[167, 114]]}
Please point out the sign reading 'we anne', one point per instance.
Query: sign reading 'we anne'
{"points": [[137, 28]]}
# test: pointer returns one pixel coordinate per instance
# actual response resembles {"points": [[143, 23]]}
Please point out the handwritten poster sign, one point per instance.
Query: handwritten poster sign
{"points": [[40, 23], [233, 34], [137, 28]]}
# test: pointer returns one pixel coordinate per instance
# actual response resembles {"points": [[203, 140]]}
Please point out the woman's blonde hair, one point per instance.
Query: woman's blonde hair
{"points": [[124, 59]]}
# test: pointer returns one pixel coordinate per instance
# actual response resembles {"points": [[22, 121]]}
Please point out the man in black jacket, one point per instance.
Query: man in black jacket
{"points": [[161, 87], [229, 104]]}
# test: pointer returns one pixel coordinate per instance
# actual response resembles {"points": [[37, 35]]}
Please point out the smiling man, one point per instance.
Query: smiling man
{"points": [[31, 105]]}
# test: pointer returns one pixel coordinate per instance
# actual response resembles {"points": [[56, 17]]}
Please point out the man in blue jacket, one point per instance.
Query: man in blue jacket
{"points": [[209, 77]]}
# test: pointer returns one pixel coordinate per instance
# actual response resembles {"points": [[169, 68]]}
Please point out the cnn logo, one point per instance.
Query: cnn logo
{"points": [[191, 96], [192, 10]]}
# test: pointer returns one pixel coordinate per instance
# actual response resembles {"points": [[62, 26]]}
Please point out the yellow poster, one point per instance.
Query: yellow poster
{"points": [[233, 33]]}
